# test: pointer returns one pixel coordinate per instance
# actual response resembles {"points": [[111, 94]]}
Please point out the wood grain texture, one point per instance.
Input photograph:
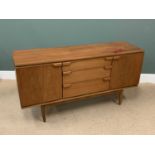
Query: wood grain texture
{"points": [[85, 87], [126, 70], [55, 75], [86, 64], [39, 83], [52, 82], [84, 96], [84, 75], [30, 85], [46, 55]]}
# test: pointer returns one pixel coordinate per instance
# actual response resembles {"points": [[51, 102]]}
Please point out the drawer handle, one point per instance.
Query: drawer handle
{"points": [[59, 64], [108, 58], [67, 72], [106, 79], [66, 63], [116, 57], [67, 85], [107, 67]]}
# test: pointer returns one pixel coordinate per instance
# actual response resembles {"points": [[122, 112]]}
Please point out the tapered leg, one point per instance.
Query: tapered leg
{"points": [[43, 112], [120, 95]]}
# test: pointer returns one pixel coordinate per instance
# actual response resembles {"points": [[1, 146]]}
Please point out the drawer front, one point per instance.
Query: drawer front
{"points": [[84, 75], [81, 88], [86, 64]]}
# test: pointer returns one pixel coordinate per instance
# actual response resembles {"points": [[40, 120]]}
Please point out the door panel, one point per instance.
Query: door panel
{"points": [[126, 70], [30, 85], [39, 84]]}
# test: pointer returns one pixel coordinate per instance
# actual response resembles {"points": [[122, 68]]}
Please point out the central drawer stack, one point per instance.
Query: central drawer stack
{"points": [[86, 76]]}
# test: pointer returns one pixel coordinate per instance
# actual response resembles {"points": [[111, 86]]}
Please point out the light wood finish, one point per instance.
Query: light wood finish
{"points": [[81, 88], [58, 64], [46, 55], [87, 64], [67, 72], [56, 75], [116, 57], [126, 70], [84, 75]]}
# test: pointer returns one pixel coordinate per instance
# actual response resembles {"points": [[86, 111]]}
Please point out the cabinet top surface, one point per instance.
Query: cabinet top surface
{"points": [[68, 53]]}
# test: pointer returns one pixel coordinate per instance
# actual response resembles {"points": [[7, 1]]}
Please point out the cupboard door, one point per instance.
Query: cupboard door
{"points": [[30, 85], [126, 70], [39, 84], [52, 82]]}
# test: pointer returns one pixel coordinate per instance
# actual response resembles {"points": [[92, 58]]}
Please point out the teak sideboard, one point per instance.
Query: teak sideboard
{"points": [[55, 75]]}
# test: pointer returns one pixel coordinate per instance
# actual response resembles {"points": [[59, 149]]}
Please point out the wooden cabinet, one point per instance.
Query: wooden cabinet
{"points": [[54, 75]]}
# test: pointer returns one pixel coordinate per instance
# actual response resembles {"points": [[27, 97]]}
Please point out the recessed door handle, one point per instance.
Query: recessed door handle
{"points": [[67, 85], [58, 64], [67, 72]]}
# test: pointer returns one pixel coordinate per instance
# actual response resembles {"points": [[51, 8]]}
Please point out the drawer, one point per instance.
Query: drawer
{"points": [[86, 64], [84, 75], [81, 88]]}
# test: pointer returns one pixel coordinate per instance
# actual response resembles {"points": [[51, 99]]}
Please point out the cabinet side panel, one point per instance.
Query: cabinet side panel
{"points": [[30, 85], [126, 70], [52, 83]]}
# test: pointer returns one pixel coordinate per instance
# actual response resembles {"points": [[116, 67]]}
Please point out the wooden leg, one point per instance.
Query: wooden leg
{"points": [[120, 95], [43, 112]]}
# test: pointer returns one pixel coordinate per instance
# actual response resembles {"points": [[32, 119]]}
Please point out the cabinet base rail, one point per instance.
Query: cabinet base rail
{"points": [[118, 93]]}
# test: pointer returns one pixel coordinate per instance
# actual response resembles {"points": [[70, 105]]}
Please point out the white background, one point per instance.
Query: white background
{"points": [[77, 9]]}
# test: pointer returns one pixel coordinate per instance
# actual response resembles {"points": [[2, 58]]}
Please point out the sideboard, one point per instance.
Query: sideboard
{"points": [[47, 76]]}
